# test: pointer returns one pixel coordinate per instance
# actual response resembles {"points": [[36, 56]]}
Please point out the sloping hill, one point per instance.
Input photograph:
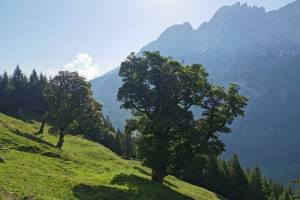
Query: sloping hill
{"points": [[35, 169]]}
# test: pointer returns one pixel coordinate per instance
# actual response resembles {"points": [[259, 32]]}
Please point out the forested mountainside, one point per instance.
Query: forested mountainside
{"points": [[260, 51]]}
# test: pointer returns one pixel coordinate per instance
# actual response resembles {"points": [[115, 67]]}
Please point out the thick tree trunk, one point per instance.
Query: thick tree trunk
{"points": [[41, 131], [157, 176], [61, 139]]}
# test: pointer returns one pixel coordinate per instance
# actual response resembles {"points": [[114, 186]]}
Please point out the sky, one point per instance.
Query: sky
{"points": [[93, 36]]}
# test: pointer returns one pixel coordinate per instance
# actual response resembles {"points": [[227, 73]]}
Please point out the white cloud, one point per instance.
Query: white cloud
{"points": [[84, 65]]}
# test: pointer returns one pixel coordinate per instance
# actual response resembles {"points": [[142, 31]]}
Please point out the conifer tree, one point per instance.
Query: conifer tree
{"points": [[119, 142], [285, 195], [19, 83], [237, 180], [33, 92], [225, 190], [213, 176], [6, 90], [297, 193], [127, 138], [256, 184]]}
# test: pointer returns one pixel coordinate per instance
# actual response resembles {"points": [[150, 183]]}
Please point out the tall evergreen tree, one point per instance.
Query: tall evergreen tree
{"points": [[237, 180], [256, 184], [19, 84], [297, 192], [127, 138], [119, 142], [33, 92], [285, 195], [6, 90], [225, 190], [108, 124], [213, 177]]}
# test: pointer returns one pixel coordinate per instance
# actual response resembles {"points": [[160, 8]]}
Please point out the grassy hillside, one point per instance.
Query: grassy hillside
{"points": [[35, 169]]}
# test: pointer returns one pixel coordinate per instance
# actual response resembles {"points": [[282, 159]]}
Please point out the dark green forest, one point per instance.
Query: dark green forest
{"points": [[163, 133]]}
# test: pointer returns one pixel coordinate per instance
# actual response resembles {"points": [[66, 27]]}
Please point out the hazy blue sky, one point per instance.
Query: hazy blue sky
{"points": [[92, 36]]}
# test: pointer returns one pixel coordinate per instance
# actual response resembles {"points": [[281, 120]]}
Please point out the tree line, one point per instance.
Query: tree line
{"points": [[229, 179], [64, 101], [163, 132], [19, 93]]}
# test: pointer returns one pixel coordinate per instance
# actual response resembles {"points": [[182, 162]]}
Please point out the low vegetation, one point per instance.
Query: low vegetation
{"points": [[35, 169]]}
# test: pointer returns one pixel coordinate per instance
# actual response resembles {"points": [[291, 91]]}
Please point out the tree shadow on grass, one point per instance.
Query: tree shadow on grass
{"points": [[136, 188], [142, 171], [32, 137]]}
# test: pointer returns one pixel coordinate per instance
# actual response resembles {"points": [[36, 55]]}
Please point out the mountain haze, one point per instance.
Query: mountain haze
{"points": [[260, 51]]}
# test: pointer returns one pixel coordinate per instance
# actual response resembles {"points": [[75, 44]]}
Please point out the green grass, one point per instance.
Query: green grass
{"points": [[35, 169]]}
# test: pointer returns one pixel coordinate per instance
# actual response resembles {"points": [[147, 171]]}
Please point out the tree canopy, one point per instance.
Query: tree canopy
{"points": [[161, 93], [71, 105]]}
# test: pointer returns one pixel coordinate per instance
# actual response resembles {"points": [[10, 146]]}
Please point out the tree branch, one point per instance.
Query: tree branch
{"points": [[140, 110]]}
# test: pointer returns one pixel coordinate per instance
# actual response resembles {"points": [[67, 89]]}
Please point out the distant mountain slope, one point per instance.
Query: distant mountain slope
{"points": [[84, 170], [260, 51]]}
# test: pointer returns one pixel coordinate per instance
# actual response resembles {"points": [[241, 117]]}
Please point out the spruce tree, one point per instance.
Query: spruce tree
{"points": [[213, 176], [33, 92], [256, 184], [285, 196], [127, 138], [6, 89], [225, 191], [19, 83], [237, 180], [119, 142], [266, 187]]}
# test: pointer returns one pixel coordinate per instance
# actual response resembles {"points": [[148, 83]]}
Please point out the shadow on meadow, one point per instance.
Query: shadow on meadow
{"points": [[32, 137], [137, 188]]}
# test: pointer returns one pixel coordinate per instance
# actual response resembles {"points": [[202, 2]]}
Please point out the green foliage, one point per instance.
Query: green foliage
{"points": [[19, 82], [213, 177], [256, 184], [128, 141], [31, 104], [19, 94], [71, 107], [297, 182], [108, 124], [160, 92], [237, 180], [230, 180], [83, 170]]}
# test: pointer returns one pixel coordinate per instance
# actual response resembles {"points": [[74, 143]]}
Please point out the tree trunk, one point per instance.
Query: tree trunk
{"points": [[41, 131], [157, 176], [61, 139]]}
